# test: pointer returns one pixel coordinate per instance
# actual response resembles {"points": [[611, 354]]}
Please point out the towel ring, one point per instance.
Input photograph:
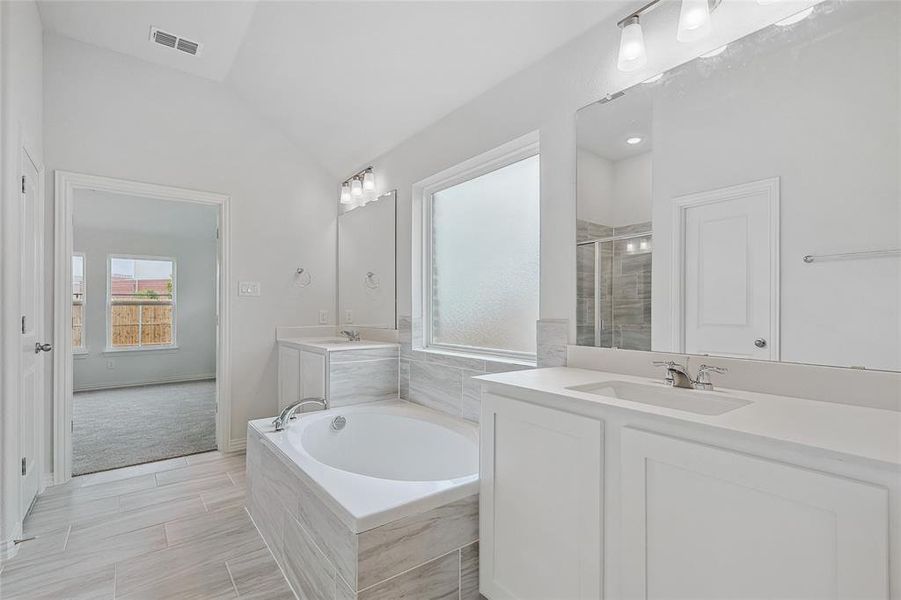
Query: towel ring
{"points": [[303, 277], [371, 281]]}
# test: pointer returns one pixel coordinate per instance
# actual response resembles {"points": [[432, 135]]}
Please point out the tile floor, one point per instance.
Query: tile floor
{"points": [[165, 530]]}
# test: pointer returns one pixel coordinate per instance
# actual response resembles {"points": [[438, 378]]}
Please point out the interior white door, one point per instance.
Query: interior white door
{"points": [[730, 271], [33, 346]]}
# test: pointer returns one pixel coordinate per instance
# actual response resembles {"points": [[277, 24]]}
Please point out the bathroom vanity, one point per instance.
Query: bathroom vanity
{"points": [[342, 371], [602, 485]]}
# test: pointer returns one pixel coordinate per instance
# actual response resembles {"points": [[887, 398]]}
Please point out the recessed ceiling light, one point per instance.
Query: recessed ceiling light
{"points": [[795, 18], [656, 77], [633, 140], [714, 52]]}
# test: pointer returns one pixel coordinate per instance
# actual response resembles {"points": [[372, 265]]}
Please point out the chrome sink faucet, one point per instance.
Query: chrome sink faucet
{"points": [[288, 414], [678, 376], [352, 335]]}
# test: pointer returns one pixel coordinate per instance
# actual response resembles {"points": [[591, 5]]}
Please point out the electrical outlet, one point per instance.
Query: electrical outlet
{"points": [[323, 317], [348, 316], [110, 364], [248, 288]]}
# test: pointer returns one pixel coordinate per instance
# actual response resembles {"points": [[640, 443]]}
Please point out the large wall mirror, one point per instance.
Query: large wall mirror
{"points": [[746, 204], [366, 264]]}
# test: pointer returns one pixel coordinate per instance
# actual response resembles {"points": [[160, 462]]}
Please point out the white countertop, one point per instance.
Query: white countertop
{"points": [[333, 344], [853, 431]]}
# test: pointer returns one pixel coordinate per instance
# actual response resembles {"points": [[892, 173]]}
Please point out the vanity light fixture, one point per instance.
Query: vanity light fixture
{"points": [[359, 189], [694, 24], [632, 54], [633, 140], [795, 18]]}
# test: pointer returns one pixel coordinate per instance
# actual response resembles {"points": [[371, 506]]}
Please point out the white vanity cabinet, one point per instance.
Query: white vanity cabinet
{"points": [[301, 374], [598, 502], [541, 504]]}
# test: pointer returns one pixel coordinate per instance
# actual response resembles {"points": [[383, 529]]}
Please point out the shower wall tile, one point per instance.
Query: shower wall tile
{"points": [[355, 382], [436, 386], [404, 378]]}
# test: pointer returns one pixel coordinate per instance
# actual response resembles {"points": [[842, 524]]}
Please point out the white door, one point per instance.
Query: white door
{"points": [[729, 271], [705, 523], [33, 347], [540, 502]]}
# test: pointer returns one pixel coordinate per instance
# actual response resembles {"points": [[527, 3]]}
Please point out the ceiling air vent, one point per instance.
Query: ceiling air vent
{"points": [[170, 40]]}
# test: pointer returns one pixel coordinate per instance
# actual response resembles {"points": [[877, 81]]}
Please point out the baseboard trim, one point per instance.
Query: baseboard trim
{"points": [[157, 381]]}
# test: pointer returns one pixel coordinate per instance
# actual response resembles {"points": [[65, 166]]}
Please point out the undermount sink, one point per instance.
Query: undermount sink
{"points": [[702, 403]]}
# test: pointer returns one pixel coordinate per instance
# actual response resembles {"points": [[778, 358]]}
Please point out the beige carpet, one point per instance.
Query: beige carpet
{"points": [[128, 426]]}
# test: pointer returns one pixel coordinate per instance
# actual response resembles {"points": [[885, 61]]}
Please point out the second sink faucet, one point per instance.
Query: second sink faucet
{"points": [[352, 335], [678, 376]]}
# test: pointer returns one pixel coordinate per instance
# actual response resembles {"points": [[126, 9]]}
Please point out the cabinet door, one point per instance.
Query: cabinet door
{"points": [[540, 502], [700, 522], [312, 373], [288, 375]]}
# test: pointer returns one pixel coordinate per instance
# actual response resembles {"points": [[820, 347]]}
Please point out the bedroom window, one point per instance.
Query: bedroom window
{"points": [[141, 302]]}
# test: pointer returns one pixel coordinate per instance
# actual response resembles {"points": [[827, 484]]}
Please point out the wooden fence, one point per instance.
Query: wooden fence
{"points": [[141, 323], [77, 325]]}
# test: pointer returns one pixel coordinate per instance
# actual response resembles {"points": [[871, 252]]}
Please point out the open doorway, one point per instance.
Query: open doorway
{"points": [[141, 378]]}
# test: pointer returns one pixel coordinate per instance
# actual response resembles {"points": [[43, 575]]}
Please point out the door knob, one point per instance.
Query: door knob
{"points": [[38, 348], [760, 343]]}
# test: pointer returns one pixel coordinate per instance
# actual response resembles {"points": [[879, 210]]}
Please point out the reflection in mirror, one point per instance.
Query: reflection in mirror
{"points": [[366, 264], [746, 204]]}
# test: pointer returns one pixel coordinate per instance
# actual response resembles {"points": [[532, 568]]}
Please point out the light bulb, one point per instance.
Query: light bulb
{"points": [[630, 247], [369, 180], [643, 245], [632, 53], [345, 193], [795, 18], [356, 188], [633, 140], [694, 21]]}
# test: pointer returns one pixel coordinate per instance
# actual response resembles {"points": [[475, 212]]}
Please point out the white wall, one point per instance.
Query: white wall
{"points": [[195, 286], [21, 115], [613, 193], [111, 115], [826, 122], [545, 97], [594, 187]]}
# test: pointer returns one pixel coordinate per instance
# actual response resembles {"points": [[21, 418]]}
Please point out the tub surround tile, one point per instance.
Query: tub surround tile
{"points": [[363, 354], [553, 335], [355, 382], [469, 572], [311, 574], [401, 545], [439, 380], [436, 580]]}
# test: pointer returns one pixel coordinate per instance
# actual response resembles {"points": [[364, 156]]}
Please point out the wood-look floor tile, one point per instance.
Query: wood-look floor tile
{"points": [[201, 527], [203, 469], [122, 522], [97, 491], [208, 456], [185, 489], [207, 582], [257, 577], [233, 497], [127, 472], [93, 584], [42, 520], [42, 545]]}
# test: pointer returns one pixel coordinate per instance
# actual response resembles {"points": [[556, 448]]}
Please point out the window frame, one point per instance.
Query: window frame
{"points": [[109, 304], [503, 156], [83, 348]]}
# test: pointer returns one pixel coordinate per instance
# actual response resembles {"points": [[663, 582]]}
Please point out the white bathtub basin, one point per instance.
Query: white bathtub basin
{"points": [[392, 459]]}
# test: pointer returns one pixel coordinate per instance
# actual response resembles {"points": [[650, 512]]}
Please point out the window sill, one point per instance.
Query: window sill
{"points": [[494, 358], [141, 349], [79, 352]]}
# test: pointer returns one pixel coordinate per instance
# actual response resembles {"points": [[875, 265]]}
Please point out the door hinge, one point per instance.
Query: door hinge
{"points": [[23, 323], [24, 467], [217, 233], [23, 184], [72, 426]]}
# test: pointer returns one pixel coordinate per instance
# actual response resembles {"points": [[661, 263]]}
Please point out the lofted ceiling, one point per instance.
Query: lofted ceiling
{"points": [[346, 80], [110, 212]]}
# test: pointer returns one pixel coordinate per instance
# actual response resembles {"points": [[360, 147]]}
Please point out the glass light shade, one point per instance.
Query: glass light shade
{"points": [[356, 188], [368, 181], [632, 54], [345, 194], [795, 18], [694, 21]]}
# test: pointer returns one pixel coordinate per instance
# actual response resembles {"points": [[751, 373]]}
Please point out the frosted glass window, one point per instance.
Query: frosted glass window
{"points": [[484, 261]]}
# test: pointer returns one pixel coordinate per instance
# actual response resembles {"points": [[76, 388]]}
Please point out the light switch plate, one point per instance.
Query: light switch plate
{"points": [[248, 288], [323, 317], [348, 316]]}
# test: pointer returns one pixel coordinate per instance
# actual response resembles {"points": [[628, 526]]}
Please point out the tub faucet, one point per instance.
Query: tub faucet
{"points": [[288, 413], [352, 335]]}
